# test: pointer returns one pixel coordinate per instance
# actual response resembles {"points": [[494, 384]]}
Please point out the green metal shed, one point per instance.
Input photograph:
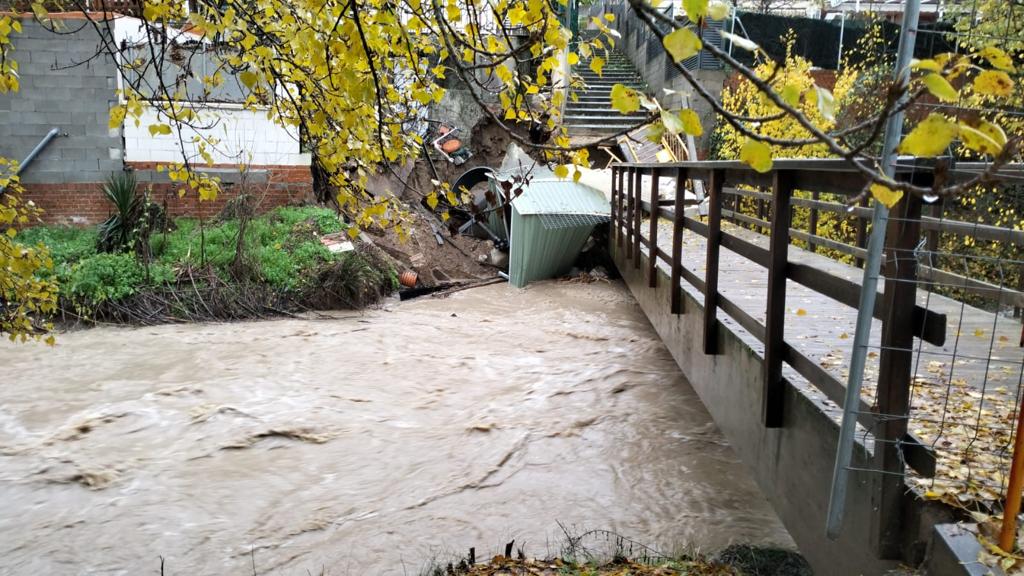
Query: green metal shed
{"points": [[551, 221], [550, 218]]}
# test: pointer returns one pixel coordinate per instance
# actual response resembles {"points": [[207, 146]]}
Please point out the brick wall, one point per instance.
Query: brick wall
{"points": [[80, 204]]}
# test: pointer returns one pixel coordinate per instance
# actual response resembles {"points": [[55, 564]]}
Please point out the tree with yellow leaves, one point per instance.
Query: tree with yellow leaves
{"points": [[25, 297], [357, 76]]}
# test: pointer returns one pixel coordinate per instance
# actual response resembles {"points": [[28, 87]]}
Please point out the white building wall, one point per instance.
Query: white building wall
{"points": [[243, 137]]}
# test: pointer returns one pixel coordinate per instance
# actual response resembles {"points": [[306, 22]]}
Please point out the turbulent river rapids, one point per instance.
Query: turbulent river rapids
{"points": [[364, 443]]}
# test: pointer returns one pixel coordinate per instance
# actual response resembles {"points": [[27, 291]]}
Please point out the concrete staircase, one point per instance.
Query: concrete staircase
{"points": [[591, 112]]}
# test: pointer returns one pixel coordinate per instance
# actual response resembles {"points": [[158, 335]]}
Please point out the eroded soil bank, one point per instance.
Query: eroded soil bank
{"points": [[365, 444]]}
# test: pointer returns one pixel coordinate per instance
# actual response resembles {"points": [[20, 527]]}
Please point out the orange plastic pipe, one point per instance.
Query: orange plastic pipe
{"points": [[1013, 492]]}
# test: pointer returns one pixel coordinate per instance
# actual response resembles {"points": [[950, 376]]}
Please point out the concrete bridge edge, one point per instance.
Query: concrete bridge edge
{"points": [[792, 465]]}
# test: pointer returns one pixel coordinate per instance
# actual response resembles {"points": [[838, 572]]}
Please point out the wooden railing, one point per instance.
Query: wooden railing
{"points": [[933, 225], [903, 319]]}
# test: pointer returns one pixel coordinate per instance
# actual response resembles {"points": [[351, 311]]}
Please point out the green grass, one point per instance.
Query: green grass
{"points": [[283, 250], [67, 245], [283, 245]]}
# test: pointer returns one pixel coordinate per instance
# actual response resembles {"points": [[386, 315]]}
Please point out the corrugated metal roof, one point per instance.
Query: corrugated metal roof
{"points": [[553, 196]]}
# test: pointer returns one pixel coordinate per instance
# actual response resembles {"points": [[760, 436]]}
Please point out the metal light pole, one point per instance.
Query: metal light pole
{"points": [[869, 284]]}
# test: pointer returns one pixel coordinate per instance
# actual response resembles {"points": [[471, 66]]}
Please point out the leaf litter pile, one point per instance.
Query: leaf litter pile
{"points": [[969, 420], [970, 430]]}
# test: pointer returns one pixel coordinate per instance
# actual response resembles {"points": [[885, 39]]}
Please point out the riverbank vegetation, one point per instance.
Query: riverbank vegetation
{"points": [[605, 553], [188, 270], [618, 567]]}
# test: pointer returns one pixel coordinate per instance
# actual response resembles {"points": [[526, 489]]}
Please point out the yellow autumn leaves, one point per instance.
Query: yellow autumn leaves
{"points": [[22, 288], [24, 292], [682, 43], [624, 99], [8, 65], [683, 121], [933, 135]]}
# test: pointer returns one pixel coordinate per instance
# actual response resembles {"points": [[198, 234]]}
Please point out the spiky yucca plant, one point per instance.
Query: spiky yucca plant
{"points": [[118, 232]]}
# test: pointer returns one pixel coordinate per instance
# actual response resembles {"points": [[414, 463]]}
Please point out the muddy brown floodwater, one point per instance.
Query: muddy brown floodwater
{"points": [[364, 444]]}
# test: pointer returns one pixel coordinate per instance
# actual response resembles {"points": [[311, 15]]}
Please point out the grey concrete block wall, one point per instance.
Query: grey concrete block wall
{"points": [[63, 87]]}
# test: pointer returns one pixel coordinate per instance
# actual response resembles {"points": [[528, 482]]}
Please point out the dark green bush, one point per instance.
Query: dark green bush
{"points": [[118, 232], [103, 277]]}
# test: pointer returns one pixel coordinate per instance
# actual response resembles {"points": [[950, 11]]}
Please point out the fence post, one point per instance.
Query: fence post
{"points": [[616, 202], [652, 253], [711, 269], [778, 260], [638, 217], [677, 241], [629, 213], [813, 223], [894, 373], [862, 233], [935, 211]]}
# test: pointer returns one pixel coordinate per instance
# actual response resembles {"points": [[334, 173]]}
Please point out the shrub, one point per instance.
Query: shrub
{"points": [[117, 232], [103, 277]]}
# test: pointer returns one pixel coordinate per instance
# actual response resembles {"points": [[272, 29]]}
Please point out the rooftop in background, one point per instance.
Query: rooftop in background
{"points": [[891, 10]]}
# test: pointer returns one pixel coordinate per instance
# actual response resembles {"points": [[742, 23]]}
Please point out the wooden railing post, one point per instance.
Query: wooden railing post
{"points": [[894, 373], [652, 253], [629, 213], [615, 202], [812, 224], [638, 217], [711, 270], [677, 241], [778, 261]]}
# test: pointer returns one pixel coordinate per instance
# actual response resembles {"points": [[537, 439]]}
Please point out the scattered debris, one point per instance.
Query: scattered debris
{"points": [[450, 147], [408, 279], [337, 242], [500, 565]]}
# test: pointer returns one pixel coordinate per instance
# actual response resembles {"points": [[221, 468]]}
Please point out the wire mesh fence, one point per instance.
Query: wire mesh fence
{"points": [[966, 268]]}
